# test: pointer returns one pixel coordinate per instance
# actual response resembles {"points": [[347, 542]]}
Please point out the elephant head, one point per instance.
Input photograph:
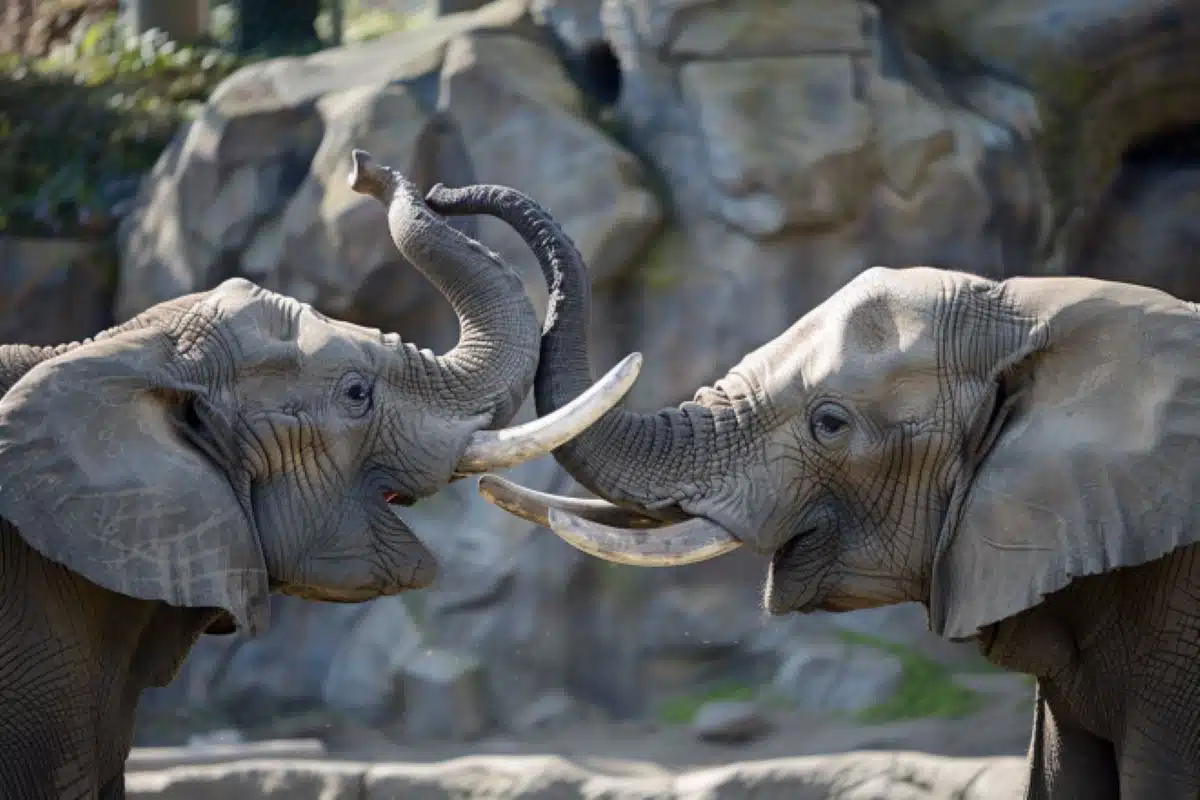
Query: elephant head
{"points": [[235, 441], [923, 435]]}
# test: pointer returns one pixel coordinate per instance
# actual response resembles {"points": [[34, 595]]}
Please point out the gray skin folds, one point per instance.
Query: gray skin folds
{"points": [[1021, 457], [159, 480]]}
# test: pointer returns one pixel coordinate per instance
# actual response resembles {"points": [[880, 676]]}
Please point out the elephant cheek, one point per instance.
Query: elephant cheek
{"points": [[282, 530], [401, 561]]}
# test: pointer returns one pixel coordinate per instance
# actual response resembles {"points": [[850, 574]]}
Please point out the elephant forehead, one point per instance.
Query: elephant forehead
{"points": [[865, 345]]}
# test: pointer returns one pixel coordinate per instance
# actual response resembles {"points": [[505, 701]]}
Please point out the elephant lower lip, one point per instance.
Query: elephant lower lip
{"points": [[784, 553], [348, 596], [395, 499], [785, 594]]}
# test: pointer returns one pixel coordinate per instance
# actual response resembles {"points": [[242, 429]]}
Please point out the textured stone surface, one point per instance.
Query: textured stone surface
{"points": [[297, 780], [54, 290], [853, 776], [730, 722], [444, 696], [365, 675], [831, 676]]}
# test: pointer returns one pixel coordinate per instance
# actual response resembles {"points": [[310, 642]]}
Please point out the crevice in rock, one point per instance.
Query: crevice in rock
{"points": [[1150, 163], [1176, 147], [601, 73]]}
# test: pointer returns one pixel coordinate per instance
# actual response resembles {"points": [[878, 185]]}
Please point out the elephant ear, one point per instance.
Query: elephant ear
{"points": [[1089, 459], [103, 470]]}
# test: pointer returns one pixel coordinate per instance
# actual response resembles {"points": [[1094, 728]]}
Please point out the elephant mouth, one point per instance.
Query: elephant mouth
{"points": [[783, 555], [397, 499], [354, 596], [785, 591]]}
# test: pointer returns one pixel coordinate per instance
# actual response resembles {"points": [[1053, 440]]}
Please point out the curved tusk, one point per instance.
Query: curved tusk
{"points": [[509, 447], [674, 545], [534, 506]]}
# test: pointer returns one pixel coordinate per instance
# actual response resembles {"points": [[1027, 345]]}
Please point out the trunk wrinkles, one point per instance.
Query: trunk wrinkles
{"points": [[490, 369]]}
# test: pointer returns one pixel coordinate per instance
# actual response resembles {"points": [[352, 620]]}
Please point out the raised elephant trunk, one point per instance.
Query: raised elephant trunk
{"points": [[667, 449], [491, 368]]}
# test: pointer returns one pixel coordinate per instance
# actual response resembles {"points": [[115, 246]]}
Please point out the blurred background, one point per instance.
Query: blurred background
{"points": [[724, 167]]}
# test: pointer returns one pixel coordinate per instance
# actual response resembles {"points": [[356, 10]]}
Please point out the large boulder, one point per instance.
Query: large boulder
{"points": [[256, 186]]}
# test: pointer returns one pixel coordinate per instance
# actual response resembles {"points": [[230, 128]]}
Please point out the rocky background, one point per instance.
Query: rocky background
{"points": [[724, 166]]}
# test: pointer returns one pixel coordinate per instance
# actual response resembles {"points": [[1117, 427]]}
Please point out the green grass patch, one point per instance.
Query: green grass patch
{"points": [[682, 710], [927, 689]]}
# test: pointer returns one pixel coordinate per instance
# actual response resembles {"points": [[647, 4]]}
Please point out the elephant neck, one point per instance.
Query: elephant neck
{"points": [[91, 668]]}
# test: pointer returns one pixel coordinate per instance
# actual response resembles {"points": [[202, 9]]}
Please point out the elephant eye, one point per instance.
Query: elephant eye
{"points": [[357, 394], [829, 422]]}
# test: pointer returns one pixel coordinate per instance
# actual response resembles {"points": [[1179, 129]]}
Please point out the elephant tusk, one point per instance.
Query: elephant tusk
{"points": [[488, 450], [534, 506], [674, 545]]}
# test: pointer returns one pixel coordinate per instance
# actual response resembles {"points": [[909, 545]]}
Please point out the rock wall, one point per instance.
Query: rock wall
{"points": [[723, 167]]}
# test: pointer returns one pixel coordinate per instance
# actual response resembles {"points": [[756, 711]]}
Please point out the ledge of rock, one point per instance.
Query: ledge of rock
{"points": [[857, 776]]}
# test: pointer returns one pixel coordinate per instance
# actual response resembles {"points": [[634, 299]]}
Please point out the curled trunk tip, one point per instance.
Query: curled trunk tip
{"points": [[368, 177]]}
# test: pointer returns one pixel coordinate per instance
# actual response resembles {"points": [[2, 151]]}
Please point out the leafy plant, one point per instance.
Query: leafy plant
{"points": [[682, 710], [364, 24], [927, 689], [80, 126]]}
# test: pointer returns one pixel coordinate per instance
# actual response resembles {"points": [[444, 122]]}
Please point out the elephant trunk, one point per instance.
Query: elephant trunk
{"points": [[491, 368], [632, 459]]}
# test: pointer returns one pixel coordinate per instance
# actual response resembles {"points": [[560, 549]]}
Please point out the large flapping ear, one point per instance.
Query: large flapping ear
{"points": [[102, 472], [1091, 460]]}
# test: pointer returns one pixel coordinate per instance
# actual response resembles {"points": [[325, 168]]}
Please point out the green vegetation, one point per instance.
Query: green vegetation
{"points": [[366, 24], [659, 270], [78, 127], [682, 710], [81, 125], [927, 688]]}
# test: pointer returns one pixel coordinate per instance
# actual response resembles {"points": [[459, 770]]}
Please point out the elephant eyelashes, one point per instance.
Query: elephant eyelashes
{"points": [[829, 423], [357, 394]]}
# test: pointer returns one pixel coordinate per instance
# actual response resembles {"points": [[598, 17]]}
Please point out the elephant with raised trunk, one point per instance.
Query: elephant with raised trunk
{"points": [[159, 480], [1022, 457]]}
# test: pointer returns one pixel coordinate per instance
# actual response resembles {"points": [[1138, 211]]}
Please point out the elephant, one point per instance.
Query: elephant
{"points": [[1022, 457], [161, 479]]}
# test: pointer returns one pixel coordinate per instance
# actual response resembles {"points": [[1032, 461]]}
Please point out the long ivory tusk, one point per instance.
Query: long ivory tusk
{"points": [[534, 506], [674, 545], [490, 450]]}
